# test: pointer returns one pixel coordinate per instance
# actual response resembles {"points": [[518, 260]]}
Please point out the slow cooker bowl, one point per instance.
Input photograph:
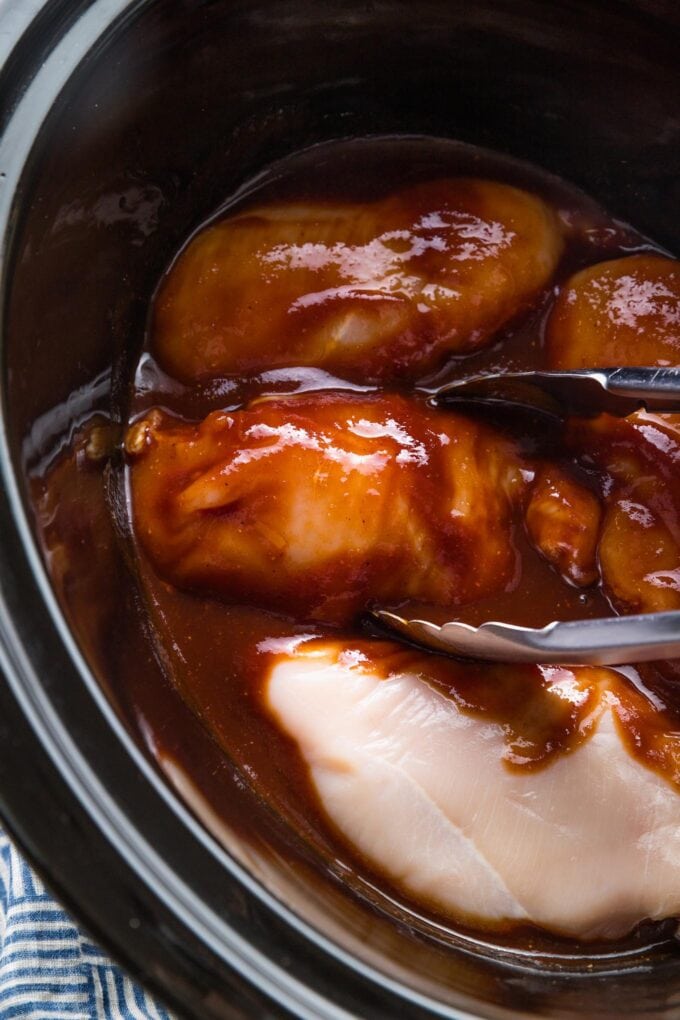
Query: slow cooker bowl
{"points": [[124, 125]]}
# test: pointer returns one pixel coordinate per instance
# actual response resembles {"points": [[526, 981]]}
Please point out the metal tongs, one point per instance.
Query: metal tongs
{"points": [[608, 641], [586, 392]]}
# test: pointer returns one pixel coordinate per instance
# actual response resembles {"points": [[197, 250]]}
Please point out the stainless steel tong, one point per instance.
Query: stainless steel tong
{"points": [[608, 641], [586, 392]]}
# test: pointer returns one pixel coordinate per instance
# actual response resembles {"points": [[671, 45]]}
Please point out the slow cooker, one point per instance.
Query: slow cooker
{"points": [[124, 124]]}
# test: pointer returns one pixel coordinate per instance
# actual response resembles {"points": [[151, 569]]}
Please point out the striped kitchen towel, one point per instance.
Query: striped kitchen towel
{"points": [[49, 969]]}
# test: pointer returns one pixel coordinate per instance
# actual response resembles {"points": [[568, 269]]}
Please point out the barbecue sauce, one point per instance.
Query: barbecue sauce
{"points": [[216, 654]]}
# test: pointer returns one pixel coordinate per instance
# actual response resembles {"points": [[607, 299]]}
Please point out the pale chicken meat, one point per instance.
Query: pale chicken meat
{"points": [[315, 505], [623, 312], [495, 795], [371, 291]]}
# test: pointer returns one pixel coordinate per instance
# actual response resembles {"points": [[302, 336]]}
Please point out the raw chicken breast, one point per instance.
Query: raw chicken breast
{"points": [[314, 505], [371, 291], [431, 790], [624, 312]]}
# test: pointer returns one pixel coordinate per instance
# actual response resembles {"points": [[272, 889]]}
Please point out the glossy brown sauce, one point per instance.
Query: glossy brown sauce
{"points": [[215, 654]]}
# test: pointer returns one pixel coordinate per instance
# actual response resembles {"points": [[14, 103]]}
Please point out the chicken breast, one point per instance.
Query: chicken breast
{"points": [[372, 291], [623, 312], [317, 504], [638, 460], [429, 780], [627, 312]]}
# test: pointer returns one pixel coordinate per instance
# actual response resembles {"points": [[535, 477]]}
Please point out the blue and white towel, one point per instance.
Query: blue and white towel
{"points": [[49, 968]]}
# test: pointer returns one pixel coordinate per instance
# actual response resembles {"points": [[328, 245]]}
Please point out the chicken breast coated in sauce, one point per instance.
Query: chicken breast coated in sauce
{"points": [[430, 771], [372, 291], [623, 312], [318, 504], [638, 461], [627, 312]]}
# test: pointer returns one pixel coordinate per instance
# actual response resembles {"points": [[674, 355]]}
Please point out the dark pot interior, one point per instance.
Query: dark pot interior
{"points": [[172, 106]]}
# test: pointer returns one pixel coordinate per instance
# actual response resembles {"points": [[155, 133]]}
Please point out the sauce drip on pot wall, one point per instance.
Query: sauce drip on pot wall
{"points": [[218, 654]]}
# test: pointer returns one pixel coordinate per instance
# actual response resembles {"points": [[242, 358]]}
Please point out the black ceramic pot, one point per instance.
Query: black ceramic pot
{"points": [[125, 122]]}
